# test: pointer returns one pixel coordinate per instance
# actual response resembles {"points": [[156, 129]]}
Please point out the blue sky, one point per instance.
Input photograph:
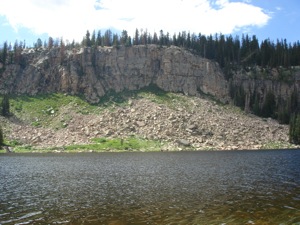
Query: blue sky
{"points": [[31, 19]]}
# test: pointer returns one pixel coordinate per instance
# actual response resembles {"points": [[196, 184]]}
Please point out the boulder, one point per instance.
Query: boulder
{"points": [[184, 142]]}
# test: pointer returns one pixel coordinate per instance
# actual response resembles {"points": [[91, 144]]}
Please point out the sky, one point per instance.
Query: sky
{"points": [[70, 19]]}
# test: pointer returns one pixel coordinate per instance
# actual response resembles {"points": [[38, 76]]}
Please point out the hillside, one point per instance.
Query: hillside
{"points": [[145, 120], [145, 78]]}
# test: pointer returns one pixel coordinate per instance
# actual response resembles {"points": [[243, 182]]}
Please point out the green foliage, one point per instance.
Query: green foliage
{"points": [[24, 149], [14, 143], [256, 107], [5, 107], [43, 110], [118, 144], [269, 105], [3, 54], [283, 115], [294, 132], [238, 95], [87, 39], [1, 137], [277, 145]]}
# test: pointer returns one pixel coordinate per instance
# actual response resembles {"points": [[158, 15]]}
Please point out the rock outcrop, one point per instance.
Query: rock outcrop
{"points": [[258, 82], [93, 72]]}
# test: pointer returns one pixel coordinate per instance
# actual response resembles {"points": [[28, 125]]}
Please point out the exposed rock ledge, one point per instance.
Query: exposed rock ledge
{"points": [[95, 72]]}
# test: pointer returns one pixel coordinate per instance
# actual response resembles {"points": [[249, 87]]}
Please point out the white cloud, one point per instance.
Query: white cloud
{"points": [[71, 18]]}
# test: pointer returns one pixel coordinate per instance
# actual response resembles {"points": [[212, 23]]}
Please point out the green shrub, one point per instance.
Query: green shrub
{"points": [[294, 133]]}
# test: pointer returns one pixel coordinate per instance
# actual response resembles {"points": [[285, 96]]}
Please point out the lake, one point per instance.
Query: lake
{"points": [[221, 187]]}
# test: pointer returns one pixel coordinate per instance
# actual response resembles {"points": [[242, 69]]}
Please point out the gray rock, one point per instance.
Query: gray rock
{"points": [[184, 142], [192, 127], [140, 123]]}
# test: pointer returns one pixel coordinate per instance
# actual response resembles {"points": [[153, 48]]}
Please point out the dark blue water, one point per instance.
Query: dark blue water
{"points": [[234, 187]]}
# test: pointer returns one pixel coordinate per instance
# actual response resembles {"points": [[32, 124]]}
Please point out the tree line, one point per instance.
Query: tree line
{"points": [[230, 52]]}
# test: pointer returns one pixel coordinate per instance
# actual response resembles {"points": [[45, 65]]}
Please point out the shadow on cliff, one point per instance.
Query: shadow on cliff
{"points": [[113, 97]]}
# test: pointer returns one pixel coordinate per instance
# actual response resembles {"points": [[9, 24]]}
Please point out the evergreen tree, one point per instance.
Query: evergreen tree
{"points": [[188, 40], [293, 101], [128, 42], [38, 43], [4, 53], [62, 51], [5, 106], [239, 97], [124, 37], [136, 37], [161, 38], [174, 40], [107, 41], [1, 137], [294, 132], [50, 42], [93, 39], [155, 38], [87, 39], [256, 107], [269, 104], [116, 42], [17, 52], [99, 39]]}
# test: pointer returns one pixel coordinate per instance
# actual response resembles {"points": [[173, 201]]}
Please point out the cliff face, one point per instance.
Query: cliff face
{"points": [[260, 87], [95, 72]]}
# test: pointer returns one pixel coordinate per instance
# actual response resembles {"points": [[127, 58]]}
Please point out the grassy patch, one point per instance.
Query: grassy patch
{"points": [[118, 144], [23, 149], [100, 145], [277, 145], [41, 109]]}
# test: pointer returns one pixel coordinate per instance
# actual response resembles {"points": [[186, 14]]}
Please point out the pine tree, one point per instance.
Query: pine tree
{"points": [[1, 137], [155, 38], [93, 39], [99, 39], [161, 38], [256, 108], [4, 54], [38, 43], [87, 39], [5, 106], [269, 104], [116, 42], [62, 51], [136, 37], [107, 38], [294, 133], [50, 42], [124, 37]]}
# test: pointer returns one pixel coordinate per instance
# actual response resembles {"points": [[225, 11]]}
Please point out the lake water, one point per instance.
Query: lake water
{"points": [[227, 187]]}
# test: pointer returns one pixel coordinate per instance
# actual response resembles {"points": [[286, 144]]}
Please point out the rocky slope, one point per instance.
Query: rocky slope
{"points": [[181, 122]]}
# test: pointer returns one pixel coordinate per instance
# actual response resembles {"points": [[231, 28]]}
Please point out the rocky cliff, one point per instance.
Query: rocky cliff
{"points": [[93, 72]]}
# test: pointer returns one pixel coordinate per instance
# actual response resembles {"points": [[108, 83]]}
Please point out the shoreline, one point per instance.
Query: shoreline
{"points": [[47, 151]]}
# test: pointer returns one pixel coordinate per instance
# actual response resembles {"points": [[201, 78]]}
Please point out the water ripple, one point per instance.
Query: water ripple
{"points": [[151, 188]]}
